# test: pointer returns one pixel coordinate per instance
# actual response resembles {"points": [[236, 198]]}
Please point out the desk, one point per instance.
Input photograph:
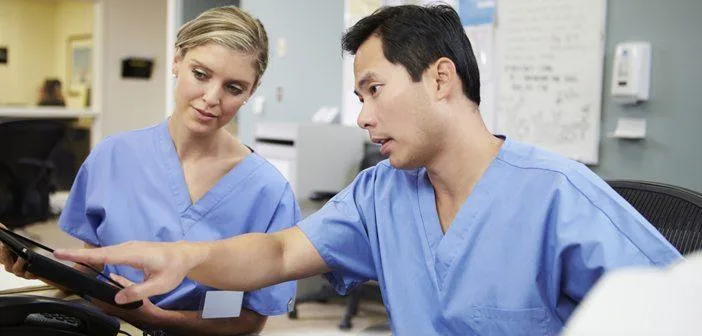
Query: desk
{"points": [[55, 293], [12, 113]]}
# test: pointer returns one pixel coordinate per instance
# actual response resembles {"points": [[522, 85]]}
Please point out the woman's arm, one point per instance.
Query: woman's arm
{"points": [[150, 316], [190, 322]]}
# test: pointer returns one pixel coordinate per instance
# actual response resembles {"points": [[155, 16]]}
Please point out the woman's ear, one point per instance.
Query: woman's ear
{"points": [[176, 62]]}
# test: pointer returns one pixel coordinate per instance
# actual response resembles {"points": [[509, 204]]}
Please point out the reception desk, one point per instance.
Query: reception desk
{"points": [[14, 113]]}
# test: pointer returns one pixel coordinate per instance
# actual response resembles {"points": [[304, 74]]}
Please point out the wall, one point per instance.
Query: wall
{"points": [[671, 152], [310, 72], [25, 29], [193, 8], [132, 28]]}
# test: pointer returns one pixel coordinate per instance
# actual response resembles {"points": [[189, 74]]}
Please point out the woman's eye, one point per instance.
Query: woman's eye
{"points": [[199, 74], [234, 90]]}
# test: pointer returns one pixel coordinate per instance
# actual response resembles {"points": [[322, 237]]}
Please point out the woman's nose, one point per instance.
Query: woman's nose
{"points": [[211, 96]]}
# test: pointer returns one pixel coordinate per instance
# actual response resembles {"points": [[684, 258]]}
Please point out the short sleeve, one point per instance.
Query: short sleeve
{"points": [[339, 234], [277, 299], [75, 218], [597, 236]]}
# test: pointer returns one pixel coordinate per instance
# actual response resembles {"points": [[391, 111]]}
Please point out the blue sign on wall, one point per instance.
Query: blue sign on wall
{"points": [[476, 12]]}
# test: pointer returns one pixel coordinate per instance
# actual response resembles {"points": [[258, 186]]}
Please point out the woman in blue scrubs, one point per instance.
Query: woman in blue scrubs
{"points": [[467, 233], [187, 178]]}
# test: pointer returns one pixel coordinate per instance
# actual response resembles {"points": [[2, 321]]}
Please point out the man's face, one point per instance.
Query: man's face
{"points": [[396, 112]]}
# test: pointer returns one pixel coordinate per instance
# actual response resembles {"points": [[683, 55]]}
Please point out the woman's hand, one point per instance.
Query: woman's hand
{"points": [[147, 316], [12, 262]]}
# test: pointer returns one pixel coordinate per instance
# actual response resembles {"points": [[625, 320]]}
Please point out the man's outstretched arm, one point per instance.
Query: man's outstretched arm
{"points": [[244, 262], [256, 260]]}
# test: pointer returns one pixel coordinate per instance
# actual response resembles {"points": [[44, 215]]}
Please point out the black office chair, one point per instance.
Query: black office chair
{"points": [[26, 149], [676, 212], [371, 157]]}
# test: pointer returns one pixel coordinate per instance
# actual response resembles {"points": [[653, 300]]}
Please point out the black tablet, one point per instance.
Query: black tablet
{"points": [[41, 262]]}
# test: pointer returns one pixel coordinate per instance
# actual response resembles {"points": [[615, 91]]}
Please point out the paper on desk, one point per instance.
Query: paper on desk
{"points": [[630, 128], [643, 301], [10, 283]]}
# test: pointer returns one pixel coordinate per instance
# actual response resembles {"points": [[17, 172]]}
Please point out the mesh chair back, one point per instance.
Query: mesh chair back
{"points": [[35, 139], [676, 212], [26, 148]]}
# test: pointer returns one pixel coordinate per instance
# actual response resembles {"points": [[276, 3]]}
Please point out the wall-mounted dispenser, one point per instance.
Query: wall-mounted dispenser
{"points": [[631, 74]]}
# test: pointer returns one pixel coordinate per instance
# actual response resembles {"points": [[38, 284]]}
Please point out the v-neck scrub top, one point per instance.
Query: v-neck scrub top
{"points": [[536, 233], [132, 187]]}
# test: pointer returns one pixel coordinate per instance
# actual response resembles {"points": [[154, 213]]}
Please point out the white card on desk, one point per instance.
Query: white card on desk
{"points": [[222, 304], [10, 283]]}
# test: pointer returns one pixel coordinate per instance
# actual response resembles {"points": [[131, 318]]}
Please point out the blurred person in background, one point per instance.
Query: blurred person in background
{"points": [[51, 93]]}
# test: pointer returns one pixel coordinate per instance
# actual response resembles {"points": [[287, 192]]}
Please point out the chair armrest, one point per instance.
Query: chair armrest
{"points": [[35, 163], [318, 196]]}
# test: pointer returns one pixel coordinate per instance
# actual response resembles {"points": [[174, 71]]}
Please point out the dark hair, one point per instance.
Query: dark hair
{"points": [[51, 85], [51, 93], [415, 37]]}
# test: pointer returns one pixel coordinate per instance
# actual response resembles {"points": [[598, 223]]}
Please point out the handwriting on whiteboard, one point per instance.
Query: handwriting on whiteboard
{"points": [[550, 77]]}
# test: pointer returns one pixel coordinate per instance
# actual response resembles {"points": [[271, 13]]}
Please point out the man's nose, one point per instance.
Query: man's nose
{"points": [[366, 118]]}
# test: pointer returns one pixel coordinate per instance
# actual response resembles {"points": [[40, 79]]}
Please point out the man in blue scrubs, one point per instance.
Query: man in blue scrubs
{"points": [[467, 233]]}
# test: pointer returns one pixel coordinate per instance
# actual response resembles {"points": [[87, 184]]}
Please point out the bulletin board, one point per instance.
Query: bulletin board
{"points": [[550, 56]]}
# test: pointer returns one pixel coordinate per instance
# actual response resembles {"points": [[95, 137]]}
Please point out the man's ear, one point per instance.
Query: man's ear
{"points": [[445, 77]]}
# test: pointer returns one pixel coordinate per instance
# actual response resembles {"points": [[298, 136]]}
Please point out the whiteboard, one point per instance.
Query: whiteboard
{"points": [[550, 56]]}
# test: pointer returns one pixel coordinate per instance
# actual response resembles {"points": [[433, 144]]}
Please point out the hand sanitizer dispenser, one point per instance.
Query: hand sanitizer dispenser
{"points": [[631, 74]]}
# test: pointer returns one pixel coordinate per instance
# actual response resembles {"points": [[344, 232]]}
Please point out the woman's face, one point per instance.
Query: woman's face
{"points": [[212, 83]]}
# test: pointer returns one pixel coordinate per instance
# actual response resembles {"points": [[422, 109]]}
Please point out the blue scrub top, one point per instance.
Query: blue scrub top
{"points": [[132, 187], [529, 242]]}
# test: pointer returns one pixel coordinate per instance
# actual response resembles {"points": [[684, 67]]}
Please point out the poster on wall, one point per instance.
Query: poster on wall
{"points": [[80, 56], [476, 12], [354, 11]]}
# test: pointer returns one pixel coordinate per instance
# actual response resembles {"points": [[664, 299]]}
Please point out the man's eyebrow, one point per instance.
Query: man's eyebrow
{"points": [[365, 79]]}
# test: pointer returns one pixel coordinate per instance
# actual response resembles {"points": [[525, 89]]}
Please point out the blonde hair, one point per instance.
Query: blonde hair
{"points": [[229, 27]]}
